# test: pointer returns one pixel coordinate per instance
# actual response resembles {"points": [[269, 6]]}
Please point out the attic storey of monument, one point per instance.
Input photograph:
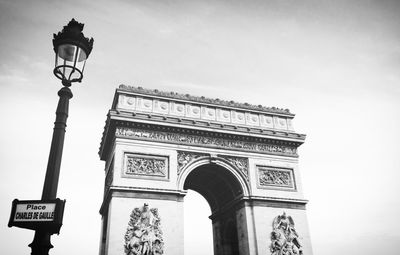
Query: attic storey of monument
{"points": [[242, 158]]}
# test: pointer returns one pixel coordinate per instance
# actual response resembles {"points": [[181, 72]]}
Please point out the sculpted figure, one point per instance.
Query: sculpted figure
{"points": [[144, 235], [284, 238]]}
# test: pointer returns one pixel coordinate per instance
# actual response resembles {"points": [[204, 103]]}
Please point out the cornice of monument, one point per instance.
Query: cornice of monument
{"points": [[208, 126], [205, 100], [277, 202], [157, 132]]}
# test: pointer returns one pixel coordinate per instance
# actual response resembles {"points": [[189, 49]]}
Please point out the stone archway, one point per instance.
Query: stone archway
{"points": [[241, 158], [216, 184], [221, 189]]}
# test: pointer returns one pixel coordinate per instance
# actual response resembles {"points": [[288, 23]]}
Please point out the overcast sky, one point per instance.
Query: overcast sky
{"points": [[333, 63]]}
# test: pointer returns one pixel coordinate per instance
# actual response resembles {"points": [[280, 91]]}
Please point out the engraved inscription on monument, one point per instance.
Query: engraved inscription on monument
{"points": [[273, 177], [206, 141], [137, 165]]}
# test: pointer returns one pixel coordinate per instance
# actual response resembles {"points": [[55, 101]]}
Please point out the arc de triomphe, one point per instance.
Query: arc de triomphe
{"points": [[241, 158]]}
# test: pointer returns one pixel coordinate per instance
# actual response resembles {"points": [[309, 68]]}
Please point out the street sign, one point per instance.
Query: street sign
{"points": [[37, 214]]}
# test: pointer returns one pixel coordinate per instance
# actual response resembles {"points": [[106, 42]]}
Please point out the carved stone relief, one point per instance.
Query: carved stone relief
{"points": [[204, 99], [177, 109], [127, 102], [207, 113], [280, 123], [223, 115], [197, 110], [186, 157], [161, 106], [252, 119], [146, 165], [284, 238], [238, 117], [275, 177], [266, 121], [144, 235], [144, 104], [240, 163], [192, 111], [209, 141]]}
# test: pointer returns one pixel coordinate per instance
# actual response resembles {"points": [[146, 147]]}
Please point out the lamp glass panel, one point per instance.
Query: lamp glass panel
{"points": [[70, 62], [80, 66], [81, 55], [67, 52]]}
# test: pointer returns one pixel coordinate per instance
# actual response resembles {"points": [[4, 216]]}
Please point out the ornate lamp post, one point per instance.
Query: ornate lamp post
{"points": [[72, 49]]}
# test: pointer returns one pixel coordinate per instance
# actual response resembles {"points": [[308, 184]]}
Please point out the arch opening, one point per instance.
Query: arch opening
{"points": [[198, 238], [221, 189], [216, 184]]}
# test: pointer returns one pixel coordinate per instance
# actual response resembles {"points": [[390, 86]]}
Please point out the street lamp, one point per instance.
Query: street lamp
{"points": [[72, 49]]}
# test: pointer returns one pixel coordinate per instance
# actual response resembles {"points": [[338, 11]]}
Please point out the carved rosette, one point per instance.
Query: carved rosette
{"points": [[145, 165], [186, 157], [144, 235], [284, 238], [206, 141], [242, 164], [275, 177]]}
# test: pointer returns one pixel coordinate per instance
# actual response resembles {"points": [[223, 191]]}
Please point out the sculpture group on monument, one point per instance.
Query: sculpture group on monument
{"points": [[144, 235], [284, 238]]}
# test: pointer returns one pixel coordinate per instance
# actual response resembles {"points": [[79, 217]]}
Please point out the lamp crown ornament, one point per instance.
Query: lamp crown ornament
{"points": [[72, 34]]}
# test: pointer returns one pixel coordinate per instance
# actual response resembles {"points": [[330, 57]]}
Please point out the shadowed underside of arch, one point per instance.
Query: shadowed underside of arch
{"points": [[215, 183]]}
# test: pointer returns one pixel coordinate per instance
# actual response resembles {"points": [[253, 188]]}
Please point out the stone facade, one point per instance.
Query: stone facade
{"points": [[242, 158]]}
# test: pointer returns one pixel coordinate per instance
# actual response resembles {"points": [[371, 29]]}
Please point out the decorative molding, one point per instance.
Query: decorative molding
{"points": [[207, 113], [284, 238], [143, 193], [186, 157], [138, 165], [273, 177], [206, 141], [109, 178], [276, 203], [240, 163], [216, 101], [144, 235]]}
